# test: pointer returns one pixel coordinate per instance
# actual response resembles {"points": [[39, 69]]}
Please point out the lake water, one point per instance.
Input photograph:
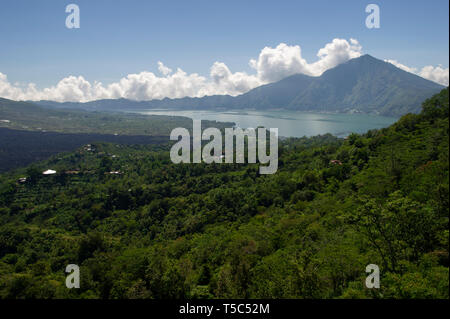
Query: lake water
{"points": [[290, 123]]}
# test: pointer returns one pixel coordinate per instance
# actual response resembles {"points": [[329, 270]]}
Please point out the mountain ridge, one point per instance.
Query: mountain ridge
{"points": [[364, 84]]}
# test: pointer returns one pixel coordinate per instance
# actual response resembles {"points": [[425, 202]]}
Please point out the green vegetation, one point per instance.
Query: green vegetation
{"points": [[160, 230], [29, 116], [20, 148]]}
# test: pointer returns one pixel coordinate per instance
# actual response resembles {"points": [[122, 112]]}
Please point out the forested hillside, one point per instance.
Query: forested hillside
{"points": [[141, 227], [19, 148]]}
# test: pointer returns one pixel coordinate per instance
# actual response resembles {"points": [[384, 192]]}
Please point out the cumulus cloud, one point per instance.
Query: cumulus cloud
{"points": [[401, 66], [275, 63], [164, 69], [334, 53], [226, 82], [147, 86], [436, 74], [272, 64]]}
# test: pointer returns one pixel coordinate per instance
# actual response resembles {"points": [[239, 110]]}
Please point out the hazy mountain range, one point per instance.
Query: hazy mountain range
{"points": [[364, 84]]}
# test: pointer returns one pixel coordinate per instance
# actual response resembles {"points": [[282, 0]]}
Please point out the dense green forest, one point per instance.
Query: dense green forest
{"points": [[19, 148], [155, 229]]}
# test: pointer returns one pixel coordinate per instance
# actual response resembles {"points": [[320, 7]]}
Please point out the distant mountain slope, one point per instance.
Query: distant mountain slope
{"points": [[66, 119], [275, 95], [364, 84], [369, 85], [9, 108]]}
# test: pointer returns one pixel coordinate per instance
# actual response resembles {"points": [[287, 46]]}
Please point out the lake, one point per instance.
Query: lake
{"points": [[290, 123]]}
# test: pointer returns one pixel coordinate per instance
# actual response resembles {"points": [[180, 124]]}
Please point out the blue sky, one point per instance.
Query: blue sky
{"points": [[119, 37]]}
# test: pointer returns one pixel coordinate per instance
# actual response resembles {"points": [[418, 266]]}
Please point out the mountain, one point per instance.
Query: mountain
{"points": [[276, 95], [369, 85], [10, 108], [65, 118], [364, 84]]}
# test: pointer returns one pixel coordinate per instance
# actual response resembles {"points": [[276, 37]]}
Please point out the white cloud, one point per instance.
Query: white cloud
{"points": [[164, 69], [272, 64], [436, 74], [226, 82], [402, 66], [147, 85], [335, 53], [276, 63]]}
